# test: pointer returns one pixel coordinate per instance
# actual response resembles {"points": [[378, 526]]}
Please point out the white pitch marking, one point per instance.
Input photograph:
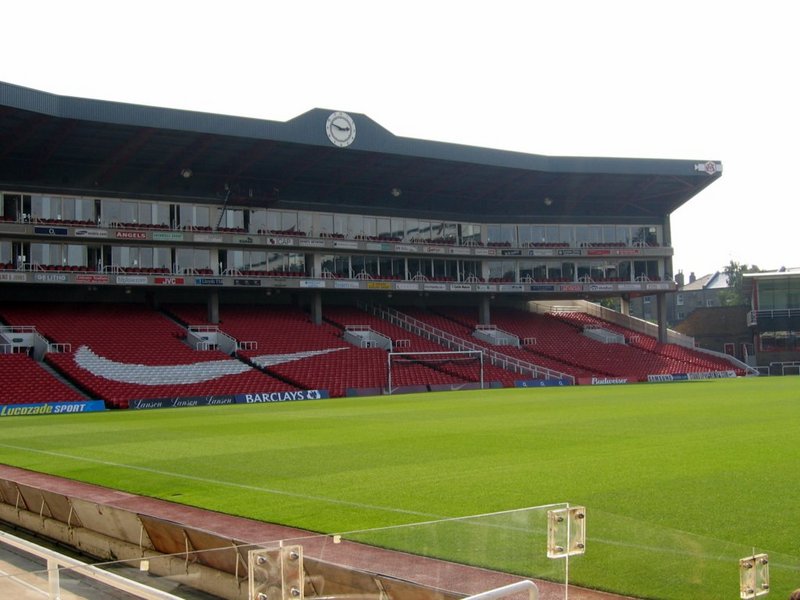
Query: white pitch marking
{"points": [[231, 484]]}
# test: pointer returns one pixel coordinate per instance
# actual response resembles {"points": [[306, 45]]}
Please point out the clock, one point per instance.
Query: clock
{"points": [[341, 129]]}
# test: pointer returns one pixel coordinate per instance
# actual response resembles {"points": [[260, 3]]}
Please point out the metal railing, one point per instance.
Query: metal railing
{"points": [[453, 342], [57, 561], [509, 590], [778, 313], [606, 314]]}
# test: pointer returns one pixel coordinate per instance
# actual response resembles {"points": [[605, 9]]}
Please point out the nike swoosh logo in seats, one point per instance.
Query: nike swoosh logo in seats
{"points": [[270, 360], [157, 374]]}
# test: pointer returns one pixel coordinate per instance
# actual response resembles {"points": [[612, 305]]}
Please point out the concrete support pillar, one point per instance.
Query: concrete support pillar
{"points": [[213, 308], [315, 260], [316, 308], [661, 308], [625, 305], [484, 315]]}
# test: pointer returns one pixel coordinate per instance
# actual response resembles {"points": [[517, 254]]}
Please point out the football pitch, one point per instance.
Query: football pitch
{"points": [[679, 480]]}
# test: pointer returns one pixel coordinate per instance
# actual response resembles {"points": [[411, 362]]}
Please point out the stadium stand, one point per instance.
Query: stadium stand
{"points": [[463, 327], [119, 353], [407, 341], [25, 381], [289, 346], [232, 247], [681, 359], [557, 341]]}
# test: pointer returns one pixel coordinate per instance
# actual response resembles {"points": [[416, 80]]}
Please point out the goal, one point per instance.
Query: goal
{"points": [[459, 363]]}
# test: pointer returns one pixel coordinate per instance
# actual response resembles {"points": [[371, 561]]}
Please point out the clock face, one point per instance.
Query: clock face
{"points": [[341, 129]]}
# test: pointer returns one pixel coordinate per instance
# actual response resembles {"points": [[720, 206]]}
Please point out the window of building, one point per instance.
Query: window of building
{"points": [[503, 270], [502, 234], [6, 253], [645, 270], [588, 234], [779, 294], [384, 227], [469, 270], [398, 229], [470, 233]]}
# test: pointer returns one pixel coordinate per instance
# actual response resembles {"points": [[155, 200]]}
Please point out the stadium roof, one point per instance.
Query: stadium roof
{"points": [[782, 273], [784, 276], [60, 144]]}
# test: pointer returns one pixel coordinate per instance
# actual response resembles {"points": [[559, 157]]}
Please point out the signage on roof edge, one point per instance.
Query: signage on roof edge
{"points": [[50, 230], [710, 167], [162, 280], [130, 235], [16, 277]]}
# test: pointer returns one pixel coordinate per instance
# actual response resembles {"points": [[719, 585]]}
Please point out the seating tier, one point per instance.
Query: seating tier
{"points": [[25, 381], [406, 341], [313, 356], [107, 343]]}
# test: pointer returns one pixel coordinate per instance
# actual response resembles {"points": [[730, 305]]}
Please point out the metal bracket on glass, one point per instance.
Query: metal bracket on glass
{"points": [[275, 573], [753, 576], [566, 532]]}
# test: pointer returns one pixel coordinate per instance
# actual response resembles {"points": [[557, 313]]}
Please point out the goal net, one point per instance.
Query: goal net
{"points": [[414, 368]]}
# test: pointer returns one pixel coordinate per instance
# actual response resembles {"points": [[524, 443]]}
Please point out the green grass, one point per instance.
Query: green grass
{"points": [[707, 470]]}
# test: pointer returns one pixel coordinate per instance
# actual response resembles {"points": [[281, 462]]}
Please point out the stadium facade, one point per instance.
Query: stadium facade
{"points": [[774, 319], [103, 200]]}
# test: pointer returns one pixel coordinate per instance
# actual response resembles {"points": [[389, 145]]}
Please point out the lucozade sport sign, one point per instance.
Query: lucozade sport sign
{"points": [[52, 408]]}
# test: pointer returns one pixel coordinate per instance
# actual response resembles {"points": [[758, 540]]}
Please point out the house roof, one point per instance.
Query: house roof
{"points": [[712, 281], [716, 320]]}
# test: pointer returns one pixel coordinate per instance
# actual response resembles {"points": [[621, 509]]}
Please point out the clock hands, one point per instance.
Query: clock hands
{"points": [[341, 129]]}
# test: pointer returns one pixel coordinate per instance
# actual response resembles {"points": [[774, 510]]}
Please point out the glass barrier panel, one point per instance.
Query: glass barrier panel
{"points": [[645, 560], [436, 560], [568, 551]]}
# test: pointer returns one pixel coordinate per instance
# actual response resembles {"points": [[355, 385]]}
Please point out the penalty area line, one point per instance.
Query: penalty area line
{"points": [[230, 484]]}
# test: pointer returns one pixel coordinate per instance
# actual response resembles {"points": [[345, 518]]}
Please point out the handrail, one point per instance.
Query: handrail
{"points": [[771, 313], [59, 348], [612, 316], [731, 359], [453, 342], [17, 329], [204, 328], [383, 340], [777, 312], [507, 590], [55, 560]]}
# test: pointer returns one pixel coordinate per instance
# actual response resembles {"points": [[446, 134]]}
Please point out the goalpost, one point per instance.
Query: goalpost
{"points": [[434, 360]]}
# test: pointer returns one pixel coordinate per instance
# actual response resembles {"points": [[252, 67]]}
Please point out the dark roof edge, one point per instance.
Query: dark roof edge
{"points": [[305, 129], [121, 113]]}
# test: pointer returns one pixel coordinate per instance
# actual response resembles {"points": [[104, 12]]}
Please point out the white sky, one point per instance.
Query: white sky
{"points": [[708, 80]]}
